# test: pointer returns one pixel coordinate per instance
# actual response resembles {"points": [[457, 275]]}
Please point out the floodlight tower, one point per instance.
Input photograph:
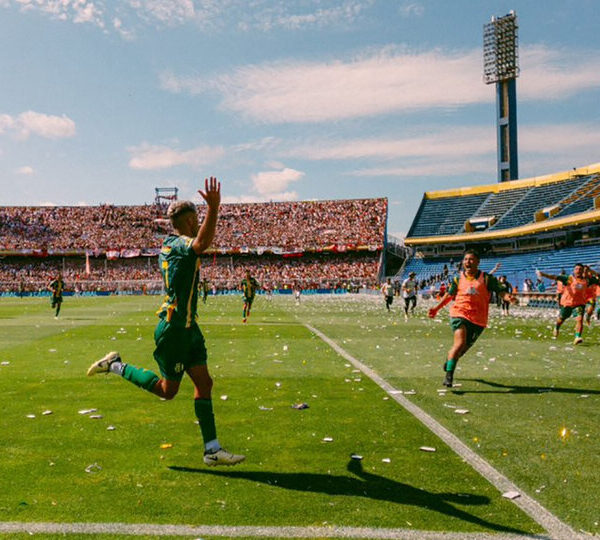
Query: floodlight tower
{"points": [[501, 66]]}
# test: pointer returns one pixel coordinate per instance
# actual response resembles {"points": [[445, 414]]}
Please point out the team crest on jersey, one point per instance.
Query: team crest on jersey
{"points": [[179, 367], [472, 291]]}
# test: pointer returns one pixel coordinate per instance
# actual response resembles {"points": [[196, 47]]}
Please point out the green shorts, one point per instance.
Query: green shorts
{"points": [[566, 311], [56, 300], [248, 300], [178, 349], [473, 330]]}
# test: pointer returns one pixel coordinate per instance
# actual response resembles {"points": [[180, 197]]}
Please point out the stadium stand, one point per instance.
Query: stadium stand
{"points": [[317, 244], [549, 223]]}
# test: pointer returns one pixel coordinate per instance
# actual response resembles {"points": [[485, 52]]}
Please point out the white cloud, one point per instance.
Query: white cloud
{"points": [[412, 9], [25, 170], [77, 11], [34, 123], [555, 74], [150, 157], [269, 183], [44, 125], [286, 196], [171, 12], [438, 143], [384, 82]]}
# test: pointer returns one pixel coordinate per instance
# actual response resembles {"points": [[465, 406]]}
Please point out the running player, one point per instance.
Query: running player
{"points": [[590, 305], [505, 304], [180, 346], [574, 297], [387, 290], [57, 287], [249, 287], [409, 293], [204, 287], [470, 290]]}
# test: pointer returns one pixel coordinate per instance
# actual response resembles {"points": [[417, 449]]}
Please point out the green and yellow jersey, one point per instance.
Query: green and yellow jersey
{"points": [[179, 266], [249, 287], [57, 287]]}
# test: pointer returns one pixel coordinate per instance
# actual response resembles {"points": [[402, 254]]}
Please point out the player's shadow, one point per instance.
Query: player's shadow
{"points": [[499, 388], [367, 485]]}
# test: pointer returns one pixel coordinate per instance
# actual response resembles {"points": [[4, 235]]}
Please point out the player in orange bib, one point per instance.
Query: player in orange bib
{"points": [[574, 296], [470, 290]]}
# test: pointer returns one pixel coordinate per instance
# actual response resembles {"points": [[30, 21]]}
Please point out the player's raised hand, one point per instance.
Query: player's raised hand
{"points": [[432, 313], [212, 192]]}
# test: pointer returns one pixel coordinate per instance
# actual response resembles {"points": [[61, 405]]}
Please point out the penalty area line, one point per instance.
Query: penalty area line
{"points": [[554, 526]]}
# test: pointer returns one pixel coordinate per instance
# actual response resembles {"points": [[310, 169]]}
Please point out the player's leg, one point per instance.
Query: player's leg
{"points": [[413, 301], [406, 306], [563, 314], [58, 304], [214, 454], [579, 325], [589, 311]]}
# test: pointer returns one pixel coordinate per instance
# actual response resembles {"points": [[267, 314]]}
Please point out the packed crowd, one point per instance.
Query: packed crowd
{"points": [[223, 272], [286, 225]]}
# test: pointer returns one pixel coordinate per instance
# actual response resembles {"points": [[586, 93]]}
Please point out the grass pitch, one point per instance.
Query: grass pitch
{"points": [[533, 406]]}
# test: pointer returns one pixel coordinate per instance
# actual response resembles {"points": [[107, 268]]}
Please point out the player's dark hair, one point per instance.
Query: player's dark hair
{"points": [[471, 252]]}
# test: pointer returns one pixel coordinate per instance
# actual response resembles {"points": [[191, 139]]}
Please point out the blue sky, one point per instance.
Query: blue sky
{"points": [[104, 100]]}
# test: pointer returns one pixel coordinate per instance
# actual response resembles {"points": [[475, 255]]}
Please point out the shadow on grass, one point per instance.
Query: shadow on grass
{"points": [[499, 388], [368, 485]]}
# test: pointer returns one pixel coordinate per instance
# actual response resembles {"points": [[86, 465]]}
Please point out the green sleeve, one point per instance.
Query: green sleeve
{"points": [[453, 288], [563, 279]]}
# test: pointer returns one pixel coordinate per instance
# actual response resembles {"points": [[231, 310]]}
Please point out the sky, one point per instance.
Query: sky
{"points": [[102, 101]]}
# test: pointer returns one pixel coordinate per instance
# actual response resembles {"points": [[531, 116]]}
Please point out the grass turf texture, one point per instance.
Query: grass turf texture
{"points": [[291, 476]]}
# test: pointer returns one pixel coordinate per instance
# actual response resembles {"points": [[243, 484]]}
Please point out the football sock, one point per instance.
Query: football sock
{"points": [[577, 334], [57, 310], [144, 378], [206, 418], [450, 364], [116, 367]]}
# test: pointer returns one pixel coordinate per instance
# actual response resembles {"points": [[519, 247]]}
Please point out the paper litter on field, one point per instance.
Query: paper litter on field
{"points": [[461, 411], [357, 457], [87, 411], [427, 449], [511, 495]]}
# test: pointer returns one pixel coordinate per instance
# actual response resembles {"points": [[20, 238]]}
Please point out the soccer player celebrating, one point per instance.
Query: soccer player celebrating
{"points": [[470, 290], [574, 296], [180, 346], [249, 287], [57, 287]]}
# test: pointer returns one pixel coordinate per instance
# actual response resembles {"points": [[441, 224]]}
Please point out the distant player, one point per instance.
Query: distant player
{"points": [[387, 290], [470, 290], [204, 287], [574, 297], [180, 346], [505, 304], [409, 293], [249, 287], [297, 293], [57, 287]]}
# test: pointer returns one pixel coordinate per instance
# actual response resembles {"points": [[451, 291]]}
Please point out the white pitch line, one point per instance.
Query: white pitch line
{"points": [[145, 529], [555, 527]]}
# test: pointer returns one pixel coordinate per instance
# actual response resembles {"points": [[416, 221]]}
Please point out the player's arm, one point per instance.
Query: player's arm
{"points": [[495, 269], [446, 299], [541, 274], [206, 233]]}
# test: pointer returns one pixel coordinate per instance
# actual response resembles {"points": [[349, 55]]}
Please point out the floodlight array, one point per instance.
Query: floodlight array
{"points": [[500, 49]]}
